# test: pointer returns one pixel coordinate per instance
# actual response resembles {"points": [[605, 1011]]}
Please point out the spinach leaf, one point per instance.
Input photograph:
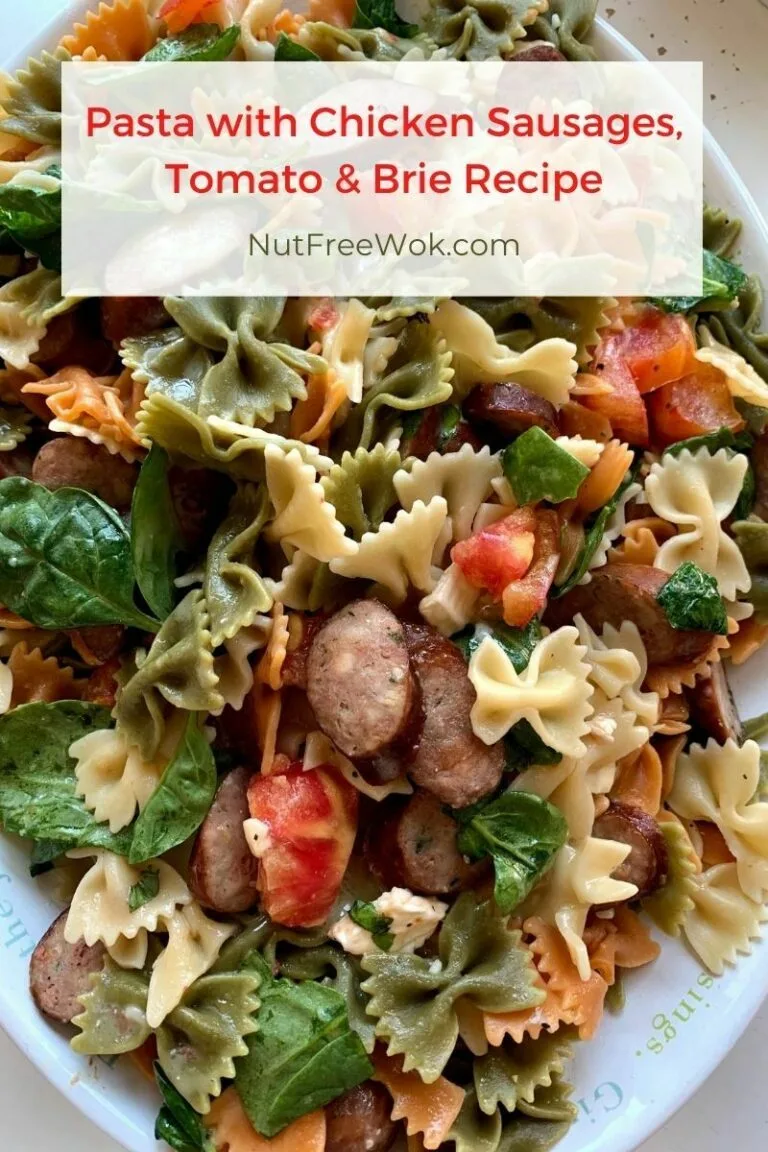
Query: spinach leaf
{"points": [[145, 889], [691, 600], [197, 44], [368, 917], [713, 442], [37, 777], [382, 14], [538, 469], [523, 747], [287, 49], [42, 855], [303, 1056], [517, 643], [448, 425], [722, 281], [65, 558], [747, 496], [31, 217], [155, 536], [592, 538], [177, 1122], [181, 800], [521, 833]]}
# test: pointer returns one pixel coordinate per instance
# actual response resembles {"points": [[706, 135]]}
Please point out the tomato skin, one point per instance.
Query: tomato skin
{"points": [[179, 14], [693, 406], [323, 314], [657, 347], [523, 599], [623, 407], [496, 555], [311, 819]]}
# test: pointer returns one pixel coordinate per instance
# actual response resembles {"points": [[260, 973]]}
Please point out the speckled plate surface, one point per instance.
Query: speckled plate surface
{"points": [[678, 1022]]}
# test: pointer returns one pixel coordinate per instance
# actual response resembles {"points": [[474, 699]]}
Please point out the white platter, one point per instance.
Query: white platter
{"points": [[678, 1023]]}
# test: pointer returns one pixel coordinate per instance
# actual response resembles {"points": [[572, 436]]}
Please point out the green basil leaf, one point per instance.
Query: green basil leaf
{"points": [[177, 1122], [287, 49], [517, 643], [691, 601], [65, 558], [521, 833], [196, 44], [31, 217], [155, 537], [366, 915], [538, 469], [303, 1056], [37, 776], [145, 889], [448, 426], [181, 800], [592, 538], [382, 14], [722, 281]]}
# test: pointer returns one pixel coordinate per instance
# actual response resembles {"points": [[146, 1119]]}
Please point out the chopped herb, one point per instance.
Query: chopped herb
{"points": [[197, 44], [366, 916], [523, 747], [691, 601], [539, 469], [517, 643], [450, 418]]}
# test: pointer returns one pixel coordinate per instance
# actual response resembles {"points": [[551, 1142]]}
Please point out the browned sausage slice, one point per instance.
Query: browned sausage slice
{"points": [[222, 869], [432, 435], [123, 316], [714, 709], [359, 680], [59, 972], [414, 846], [359, 1121], [450, 761], [622, 592], [69, 462], [537, 51], [510, 409], [647, 863]]}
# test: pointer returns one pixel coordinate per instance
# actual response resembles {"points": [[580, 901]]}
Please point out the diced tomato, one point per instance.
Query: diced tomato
{"points": [[311, 821], [623, 407], [498, 554], [101, 685], [523, 599], [656, 346], [179, 14], [697, 404]]}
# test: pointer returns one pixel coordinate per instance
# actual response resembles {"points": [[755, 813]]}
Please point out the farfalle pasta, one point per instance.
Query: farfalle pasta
{"points": [[368, 744]]}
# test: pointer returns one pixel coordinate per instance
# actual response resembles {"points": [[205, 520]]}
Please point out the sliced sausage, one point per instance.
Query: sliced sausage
{"points": [[222, 869], [536, 51], [510, 409], [359, 679], [359, 1121], [69, 462], [124, 316], [295, 663], [97, 644], [622, 592], [412, 844], [76, 338], [450, 761], [714, 709], [647, 863], [18, 462], [435, 433], [59, 972]]}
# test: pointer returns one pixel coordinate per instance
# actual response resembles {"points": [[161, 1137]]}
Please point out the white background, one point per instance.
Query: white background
{"points": [[731, 36]]}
